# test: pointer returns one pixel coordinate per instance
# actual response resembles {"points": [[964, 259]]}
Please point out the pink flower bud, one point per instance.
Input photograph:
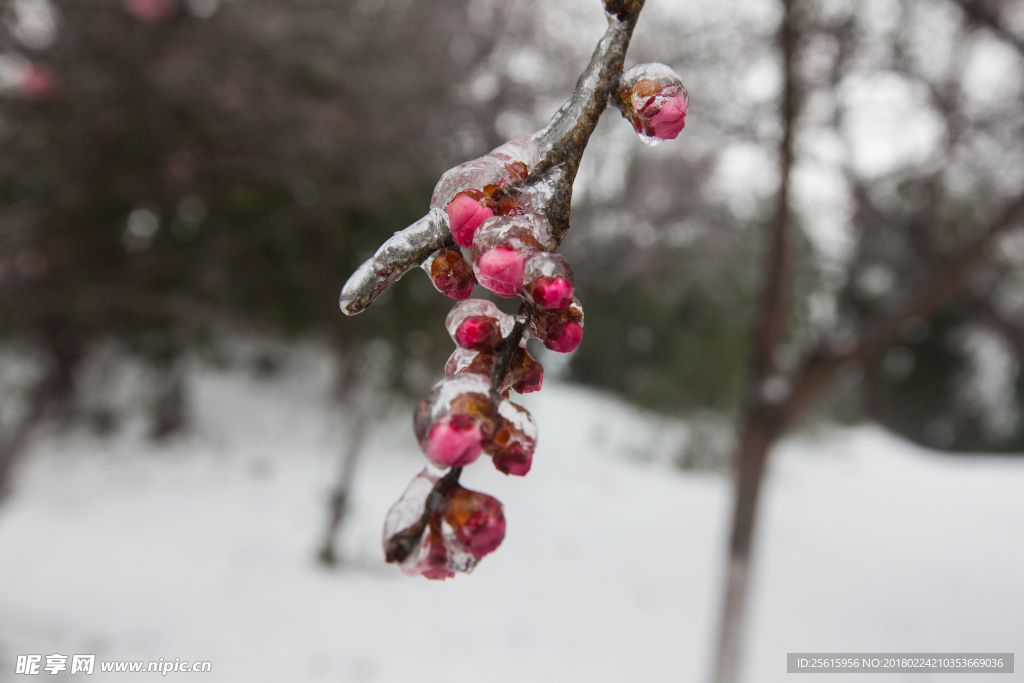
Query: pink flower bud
{"points": [[532, 381], [478, 333], [515, 462], [477, 519], [552, 293], [560, 331], [478, 308], [434, 562], [525, 373], [455, 420], [455, 440], [549, 280], [667, 123], [568, 340], [465, 214], [501, 270], [451, 274], [654, 99], [514, 440]]}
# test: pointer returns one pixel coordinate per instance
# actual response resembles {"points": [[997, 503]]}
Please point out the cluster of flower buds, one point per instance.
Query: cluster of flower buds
{"points": [[491, 216], [488, 225], [653, 98], [471, 193], [479, 330], [462, 418], [560, 331], [437, 528]]}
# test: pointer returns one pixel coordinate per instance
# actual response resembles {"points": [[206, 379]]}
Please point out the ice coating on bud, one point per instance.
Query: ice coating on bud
{"points": [[451, 273], [470, 362], [435, 556], [654, 99], [514, 440], [560, 331], [410, 507], [491, 174], [477, 520], [501, 270], [466, 323], [549, 281], [525, 373], [455, 420], [401, 536], [432, 562], [670, 119], [438, 528], [478, 333], [466, 213], [567, 340], [502, 246], [511, 201], [528, 232], [455, 440]]}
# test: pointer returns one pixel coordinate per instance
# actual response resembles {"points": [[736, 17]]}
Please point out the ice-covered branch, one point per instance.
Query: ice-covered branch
{"points": [[405, 250], [561, 143], [559, 148], [510, 210]]}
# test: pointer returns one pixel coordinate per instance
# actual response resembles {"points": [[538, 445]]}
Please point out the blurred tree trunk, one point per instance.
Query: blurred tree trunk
{"points": [[359, 421], [359, 414], [775, 402], [55, 388], [761, 422]]}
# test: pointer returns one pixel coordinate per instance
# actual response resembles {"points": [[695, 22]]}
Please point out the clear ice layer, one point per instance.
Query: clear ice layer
{"points": [[474, 307], [503, 166], [652, 96], [467, 393], [410, 507], [547, 264], [531, 231]]}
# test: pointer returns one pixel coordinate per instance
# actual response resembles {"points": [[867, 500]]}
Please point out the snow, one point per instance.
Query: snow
{"points": [[204, 550]]}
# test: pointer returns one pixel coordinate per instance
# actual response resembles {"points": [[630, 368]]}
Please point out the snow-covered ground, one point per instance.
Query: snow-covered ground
{"points": [[203, 550]]}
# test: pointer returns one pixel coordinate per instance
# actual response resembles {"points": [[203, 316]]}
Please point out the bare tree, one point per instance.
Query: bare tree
{"points": [[776, 401]]}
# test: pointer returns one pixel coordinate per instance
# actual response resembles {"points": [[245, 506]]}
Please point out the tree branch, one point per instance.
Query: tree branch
{"points": [[560, 147], [404, 251], [823, 364]]}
